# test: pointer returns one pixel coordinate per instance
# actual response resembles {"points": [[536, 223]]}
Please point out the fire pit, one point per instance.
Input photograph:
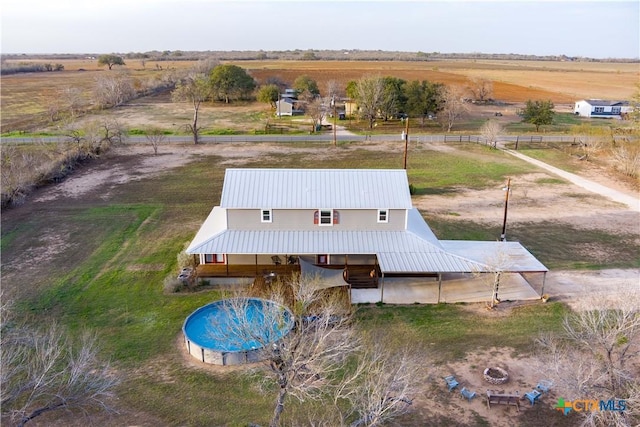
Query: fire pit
{"points": [[495, 376]]}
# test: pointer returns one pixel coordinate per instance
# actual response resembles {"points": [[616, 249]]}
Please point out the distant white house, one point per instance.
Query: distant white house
{"points": [[602, 108]]}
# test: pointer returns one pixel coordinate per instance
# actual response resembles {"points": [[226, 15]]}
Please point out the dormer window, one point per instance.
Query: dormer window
{"points": [[326, 217], [266, 215], [383, 215]]}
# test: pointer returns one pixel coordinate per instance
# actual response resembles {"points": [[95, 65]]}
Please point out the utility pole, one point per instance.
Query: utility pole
{"points": [[503, 236], [406, 141], [333, 104]]}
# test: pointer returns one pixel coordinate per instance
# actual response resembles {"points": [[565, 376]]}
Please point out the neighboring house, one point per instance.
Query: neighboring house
{"points": [[358, 223], [350, 108], [602, 108], [284, 107]]}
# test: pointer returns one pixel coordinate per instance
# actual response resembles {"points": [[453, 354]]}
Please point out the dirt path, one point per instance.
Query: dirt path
{"points": [[633, 202]]}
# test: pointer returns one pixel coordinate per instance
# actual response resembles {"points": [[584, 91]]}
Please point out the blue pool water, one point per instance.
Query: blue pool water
{"points": [[229, 326]]}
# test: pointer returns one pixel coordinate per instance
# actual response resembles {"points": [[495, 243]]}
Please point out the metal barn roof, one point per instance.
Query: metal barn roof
{"points": [[316, 188]]}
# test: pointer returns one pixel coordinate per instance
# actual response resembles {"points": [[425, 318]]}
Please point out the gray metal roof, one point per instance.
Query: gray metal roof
{"points": [[415, 250], [605, 102], [511, 255], [316, 188]]}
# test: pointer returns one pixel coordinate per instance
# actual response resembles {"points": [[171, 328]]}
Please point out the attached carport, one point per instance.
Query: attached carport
{"points": [[457, 271]]}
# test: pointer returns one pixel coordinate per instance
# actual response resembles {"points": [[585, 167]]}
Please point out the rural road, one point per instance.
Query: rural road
{"points": [[632, 202]]}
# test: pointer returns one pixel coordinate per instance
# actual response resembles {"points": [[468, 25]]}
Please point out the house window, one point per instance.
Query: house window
{"points": [[383, 215], [326, 217], [266, 215], [214, 258], [615, 110], [322, 259], [598, 110]]}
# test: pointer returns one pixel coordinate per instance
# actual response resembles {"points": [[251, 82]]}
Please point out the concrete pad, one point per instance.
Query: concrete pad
{"points": [[455, 288]]}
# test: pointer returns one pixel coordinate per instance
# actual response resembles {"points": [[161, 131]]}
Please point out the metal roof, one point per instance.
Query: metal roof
{"points": [[509, 256], [316, 188], [605, 103]]}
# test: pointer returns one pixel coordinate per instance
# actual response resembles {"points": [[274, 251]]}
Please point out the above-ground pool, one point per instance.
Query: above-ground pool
{"points": [[235, 330]]}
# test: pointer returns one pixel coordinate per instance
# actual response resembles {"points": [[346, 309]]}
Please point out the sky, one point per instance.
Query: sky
{"points": [[587, 28]]}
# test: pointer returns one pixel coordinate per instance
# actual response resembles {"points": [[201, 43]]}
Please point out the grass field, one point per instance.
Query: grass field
{"points": [[102, 259]]}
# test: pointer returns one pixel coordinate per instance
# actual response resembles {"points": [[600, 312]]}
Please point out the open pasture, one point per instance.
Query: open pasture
{"points": [[25, 98]]}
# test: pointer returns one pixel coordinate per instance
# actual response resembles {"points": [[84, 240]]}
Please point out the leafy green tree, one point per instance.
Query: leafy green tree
{"points": [[393, 97], [305, 83], [110, 60], [352, 89], [231, 82], [269, 94], [538, 113], [424, 98]]}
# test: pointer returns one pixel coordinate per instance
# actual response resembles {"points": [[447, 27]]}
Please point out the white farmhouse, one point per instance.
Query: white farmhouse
{"points": [[602, 108], [356, 227]]}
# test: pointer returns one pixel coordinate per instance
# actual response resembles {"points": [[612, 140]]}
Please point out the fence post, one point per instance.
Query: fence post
{"points": [[517, 139]]}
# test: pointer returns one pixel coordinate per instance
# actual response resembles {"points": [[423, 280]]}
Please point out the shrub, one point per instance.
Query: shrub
{"points": [[172, 285]]}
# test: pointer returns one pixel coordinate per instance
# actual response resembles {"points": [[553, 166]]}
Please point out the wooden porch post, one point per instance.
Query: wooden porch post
{"points": [[439, 286], [256, 263], [227, 259], [382, 290]]}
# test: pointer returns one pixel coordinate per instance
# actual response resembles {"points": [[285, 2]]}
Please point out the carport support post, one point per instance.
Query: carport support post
{"points": [[439, 286], [544, 279], [382, 290]]}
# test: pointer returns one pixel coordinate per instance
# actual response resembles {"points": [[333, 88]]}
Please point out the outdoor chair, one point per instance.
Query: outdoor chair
{"points": [[467, 394], [276, 260], [451, 382], [544, 386], [533, 396]]}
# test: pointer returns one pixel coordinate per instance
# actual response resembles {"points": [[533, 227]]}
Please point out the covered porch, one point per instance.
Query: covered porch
{"points": [[453, 288]]}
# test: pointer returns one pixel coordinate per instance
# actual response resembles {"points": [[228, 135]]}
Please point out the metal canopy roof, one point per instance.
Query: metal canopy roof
{"points": [[415, 250], [316, 188]]}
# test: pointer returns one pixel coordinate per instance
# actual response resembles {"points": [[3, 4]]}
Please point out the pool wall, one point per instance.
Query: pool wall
{"points": [[220, 357], [217, 357]]}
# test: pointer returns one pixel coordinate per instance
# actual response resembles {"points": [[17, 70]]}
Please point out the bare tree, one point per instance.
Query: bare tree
{"points": [[316, 109], [302, 363], [382, 386], [332, 89], [204, 66], [490, 131], [481, 89], [113, 91], [454, 107], [593, 140], [496, 264], [194, 88], [369, 92], [43, 371], [594, 356], [626, 158], [71, 100], [156, 137]]}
